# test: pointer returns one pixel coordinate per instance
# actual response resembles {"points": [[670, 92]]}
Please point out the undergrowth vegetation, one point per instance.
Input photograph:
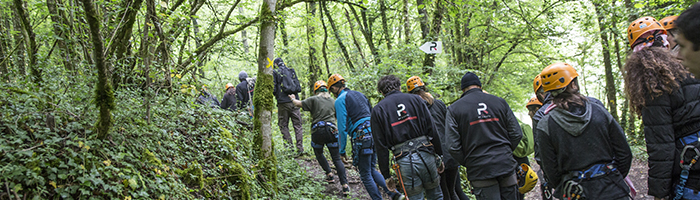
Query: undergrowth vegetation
{"points": [[170, 149]]}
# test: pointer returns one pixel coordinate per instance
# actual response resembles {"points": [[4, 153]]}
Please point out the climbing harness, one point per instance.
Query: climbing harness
{"points": [[408, 148], [685, 169], [323, 133], [572, 189], [362, 142]]}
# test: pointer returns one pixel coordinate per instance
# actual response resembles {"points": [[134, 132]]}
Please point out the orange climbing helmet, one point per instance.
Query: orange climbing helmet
{"points": [[413, 83], [229, 85], [319, 84], [335, 78], [641, 26], [533, 102], [669, 22], [557, 76], [537, 83]]}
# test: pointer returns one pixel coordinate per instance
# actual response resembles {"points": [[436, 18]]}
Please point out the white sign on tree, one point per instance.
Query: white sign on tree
{"points": [[432, 47]]}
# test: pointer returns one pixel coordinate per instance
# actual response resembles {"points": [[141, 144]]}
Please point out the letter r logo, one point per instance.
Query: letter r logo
{"points": [[482, 108]]}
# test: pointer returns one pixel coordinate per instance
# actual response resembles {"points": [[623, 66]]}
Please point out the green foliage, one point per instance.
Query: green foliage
{"points": [[187, 152]]}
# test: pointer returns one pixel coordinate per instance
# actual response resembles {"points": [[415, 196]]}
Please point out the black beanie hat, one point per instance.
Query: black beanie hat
{"points": [[470, 79], [278, 62]]}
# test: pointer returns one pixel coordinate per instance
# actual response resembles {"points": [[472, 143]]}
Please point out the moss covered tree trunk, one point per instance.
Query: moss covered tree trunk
{"points": [[29, 35], [262, 98], [104, 95]]}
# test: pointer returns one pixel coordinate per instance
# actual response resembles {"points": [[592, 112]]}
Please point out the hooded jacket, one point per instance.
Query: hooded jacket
{"points": [[667, 118], [578, 138], [398, 118], [243, 94], [481, 132]]}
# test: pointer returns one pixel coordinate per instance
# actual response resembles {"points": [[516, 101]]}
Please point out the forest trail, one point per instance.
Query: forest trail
{"points": [[638, 174]]}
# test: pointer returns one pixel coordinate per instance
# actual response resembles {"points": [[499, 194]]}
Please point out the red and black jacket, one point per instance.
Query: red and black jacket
{"points": [[400, 117]]}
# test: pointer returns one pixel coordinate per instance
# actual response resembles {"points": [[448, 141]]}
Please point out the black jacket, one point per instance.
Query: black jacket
{"points": [[578, 138], [400, 117], [243, 94], [538, 116], [229, 101], [279, 95], [438, 110], [481, 132], [668, 118]]}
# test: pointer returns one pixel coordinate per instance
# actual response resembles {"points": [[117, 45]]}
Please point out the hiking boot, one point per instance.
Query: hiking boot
{"points": [[329, 178], [346, 190], [399, 196]]}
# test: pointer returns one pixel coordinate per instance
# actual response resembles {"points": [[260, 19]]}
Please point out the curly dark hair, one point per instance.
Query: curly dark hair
{"points": [[388, 84], [570, 96], [651, 72]]}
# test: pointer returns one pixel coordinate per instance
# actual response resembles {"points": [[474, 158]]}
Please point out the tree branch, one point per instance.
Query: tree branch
{"points": [[292, 3]]}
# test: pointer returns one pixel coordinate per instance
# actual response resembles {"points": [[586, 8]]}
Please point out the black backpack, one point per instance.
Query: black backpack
{"points": [[289, 83]]}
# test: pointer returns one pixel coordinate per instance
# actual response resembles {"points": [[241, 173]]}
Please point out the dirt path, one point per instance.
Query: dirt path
{"points": [[357, 190], [638, 175]]}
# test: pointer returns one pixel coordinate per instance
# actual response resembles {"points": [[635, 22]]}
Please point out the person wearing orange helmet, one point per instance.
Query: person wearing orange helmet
{"points": [[646, 32], [229, 100], [324, 131], [583, 150], [688, 38], [665, 95], [669, 23], [352, 110], [449, 179]]}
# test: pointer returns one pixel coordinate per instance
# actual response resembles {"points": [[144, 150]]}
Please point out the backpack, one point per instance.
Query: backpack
{"points": [[527, 143], [289, 83]]}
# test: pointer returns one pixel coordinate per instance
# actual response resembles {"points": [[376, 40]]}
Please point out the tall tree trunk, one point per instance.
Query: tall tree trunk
{"points": [[198, 43], [147, 56], [21, 51], [29, 35], [104, 95], [336, 33], [62, 35], [423, 19], [610, 88], [314, 68], [5, 47], [429, 59], [324, 47], [262, 99], [366, 29], [406, 23], [244, 35], [354, 39], [385, 23]]}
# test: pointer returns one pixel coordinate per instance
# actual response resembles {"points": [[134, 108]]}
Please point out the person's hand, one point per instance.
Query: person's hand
{"points": [[291, 96]]}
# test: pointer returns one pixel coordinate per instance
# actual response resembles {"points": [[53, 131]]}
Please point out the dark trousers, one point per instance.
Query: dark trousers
{"points": [[498, 191], [284, 112], [451, 185], [335, 155]]}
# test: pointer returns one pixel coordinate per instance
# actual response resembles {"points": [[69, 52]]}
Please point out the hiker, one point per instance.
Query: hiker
{"points": [[324, 131], [352, 110], [527, 178], [229, 100], [665, 94], [669, 23], [207, 99], [449, 179], [688, 38], [287, 110], [481, 132], [546, 99], [243, 93], [583, 150], [402, 122], [645, 32]]}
